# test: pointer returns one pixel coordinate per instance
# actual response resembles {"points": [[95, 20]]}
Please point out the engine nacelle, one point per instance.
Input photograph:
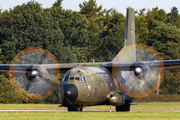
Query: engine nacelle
{"points": [[39, 73], [115, 98], [143, 72]]}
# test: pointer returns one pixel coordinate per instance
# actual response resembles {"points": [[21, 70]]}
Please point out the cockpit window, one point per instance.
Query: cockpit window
{"points": [[71, 78], [65, 79], [85, 79], [77, 78], [82, 79], [66, 76]]}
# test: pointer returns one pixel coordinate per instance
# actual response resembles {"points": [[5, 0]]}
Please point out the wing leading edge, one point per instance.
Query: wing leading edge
{"points": [[130, 66], [64, 67]]}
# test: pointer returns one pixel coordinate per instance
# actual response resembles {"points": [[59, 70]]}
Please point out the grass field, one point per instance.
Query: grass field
{"points": [[90, 115], [140, 106]]}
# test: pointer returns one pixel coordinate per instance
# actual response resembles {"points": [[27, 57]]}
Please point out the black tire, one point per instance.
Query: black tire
{"points": [[123, 108], [77, 108], [74, 108], [71, 108]]}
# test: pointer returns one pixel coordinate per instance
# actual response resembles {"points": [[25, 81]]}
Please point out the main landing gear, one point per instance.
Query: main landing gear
{"points": [[74, 108], [123, 108]]}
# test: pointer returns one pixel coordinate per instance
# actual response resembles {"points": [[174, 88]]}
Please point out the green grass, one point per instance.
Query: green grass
{"points": [[157, 106], [140, 106], [91, 115], [30, 107], [159, 98]]}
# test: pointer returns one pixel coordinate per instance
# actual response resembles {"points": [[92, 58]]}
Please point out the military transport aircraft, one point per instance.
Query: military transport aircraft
{"points": [[136, 71]]}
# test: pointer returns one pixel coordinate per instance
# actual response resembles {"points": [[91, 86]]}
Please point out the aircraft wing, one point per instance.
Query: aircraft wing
{"points": [[64, 67], [130, 66]]}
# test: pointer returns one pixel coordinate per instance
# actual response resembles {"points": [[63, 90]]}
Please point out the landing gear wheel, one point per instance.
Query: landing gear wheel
{"points": [[74, 108], [123, 108], [70, 108]]}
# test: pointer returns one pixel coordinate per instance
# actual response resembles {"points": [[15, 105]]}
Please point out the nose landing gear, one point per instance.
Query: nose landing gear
{"points": [[74, 108], [123, 108]]}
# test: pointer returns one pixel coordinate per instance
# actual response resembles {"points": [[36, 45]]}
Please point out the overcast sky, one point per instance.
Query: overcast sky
{"points": [[120, 5]]}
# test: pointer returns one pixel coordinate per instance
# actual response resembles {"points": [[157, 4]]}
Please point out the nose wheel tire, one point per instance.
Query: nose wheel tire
{"points": [[74, 108], [123, 108]]}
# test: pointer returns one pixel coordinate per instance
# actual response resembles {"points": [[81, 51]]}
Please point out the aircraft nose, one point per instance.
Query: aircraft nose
{"points": [[70, 92]]}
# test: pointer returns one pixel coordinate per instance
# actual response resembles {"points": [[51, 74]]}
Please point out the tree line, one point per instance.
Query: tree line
{"points": [[91, 33]]}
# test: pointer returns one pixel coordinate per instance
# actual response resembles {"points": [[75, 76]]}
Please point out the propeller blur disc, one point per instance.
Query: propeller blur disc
{"points": [[38, 74], [142, 80]]}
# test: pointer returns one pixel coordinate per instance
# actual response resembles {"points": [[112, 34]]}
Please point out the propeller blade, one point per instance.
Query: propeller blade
{"points": [[143, 80], [35, 83], [28, 86]]}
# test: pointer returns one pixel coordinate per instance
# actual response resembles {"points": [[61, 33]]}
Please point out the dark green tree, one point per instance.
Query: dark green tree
{"points": [[112, 35], [173, 16], [92, 13], [166, 40], [141, 25], [90, 9], [58, 3], [29, 25], [7, 94], [74, 27]]}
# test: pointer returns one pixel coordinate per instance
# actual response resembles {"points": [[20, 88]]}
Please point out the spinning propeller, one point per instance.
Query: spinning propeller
{"points": [[140, 77], [39, 75]]}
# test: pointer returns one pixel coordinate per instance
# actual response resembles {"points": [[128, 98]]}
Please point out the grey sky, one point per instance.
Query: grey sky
{"points": [[120, 5]]}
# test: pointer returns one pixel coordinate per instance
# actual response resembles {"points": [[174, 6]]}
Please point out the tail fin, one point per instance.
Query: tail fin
{"points": [[129, 36]]}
